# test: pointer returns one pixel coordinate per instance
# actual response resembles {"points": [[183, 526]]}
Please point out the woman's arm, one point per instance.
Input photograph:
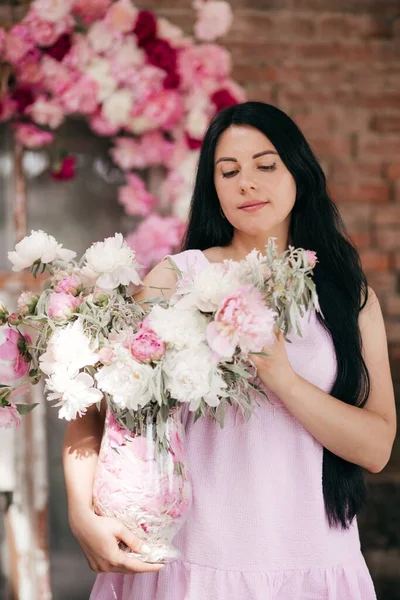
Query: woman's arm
{"points": [[100, 536], [363, 436]]}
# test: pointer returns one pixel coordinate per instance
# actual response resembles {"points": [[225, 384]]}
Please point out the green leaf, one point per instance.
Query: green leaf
{"points": [[24, 409]]}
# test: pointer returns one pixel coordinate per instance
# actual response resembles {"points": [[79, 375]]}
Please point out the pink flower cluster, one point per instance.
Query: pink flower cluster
{"points": [[145, 345], [155, 238], [128, 73], [241, 321], [13, 365]]}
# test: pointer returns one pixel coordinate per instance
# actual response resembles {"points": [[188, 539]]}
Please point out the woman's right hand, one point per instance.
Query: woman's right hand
{"points": [[99, 538]]}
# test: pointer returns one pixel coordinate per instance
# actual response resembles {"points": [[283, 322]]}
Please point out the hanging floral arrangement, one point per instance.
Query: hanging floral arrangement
{"points": [[136, 79]]}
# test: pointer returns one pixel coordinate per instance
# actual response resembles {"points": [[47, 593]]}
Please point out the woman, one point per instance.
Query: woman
{"points": [[276, 498]]}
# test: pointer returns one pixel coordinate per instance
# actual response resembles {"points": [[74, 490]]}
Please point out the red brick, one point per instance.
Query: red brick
{"points": [[389, 215], [396, 261], [392, 330], [261, 93], [381, 146], [393, 306], [388, 238], [339, 26], [254, 73], [335, 51], [373, 260], [386, 123], [356, 169], [382, 282], [331, 146], [274, 25], [375, 193], [357, 217], [392, 170], [360, 239]]}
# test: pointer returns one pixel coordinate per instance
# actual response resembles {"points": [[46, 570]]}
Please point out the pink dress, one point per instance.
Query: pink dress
{"points": [[257, 529]]}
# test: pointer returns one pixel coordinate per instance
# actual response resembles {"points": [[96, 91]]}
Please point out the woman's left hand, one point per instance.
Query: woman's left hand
{"points": [[276, 372]]}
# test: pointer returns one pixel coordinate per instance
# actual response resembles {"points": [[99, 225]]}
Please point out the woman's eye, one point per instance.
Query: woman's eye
{"points": [[268, 167], [229, 174]]}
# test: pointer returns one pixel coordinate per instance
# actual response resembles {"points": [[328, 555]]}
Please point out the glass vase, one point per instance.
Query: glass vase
{"points": [[143, 480]]}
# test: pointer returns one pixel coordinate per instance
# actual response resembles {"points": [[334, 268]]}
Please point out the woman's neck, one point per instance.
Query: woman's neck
{"points": [[243, 243]]}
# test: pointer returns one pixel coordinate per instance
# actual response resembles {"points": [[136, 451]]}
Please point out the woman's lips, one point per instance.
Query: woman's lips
{"points": [[253, 207]]}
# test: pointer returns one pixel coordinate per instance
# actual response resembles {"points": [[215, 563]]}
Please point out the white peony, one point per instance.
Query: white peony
{"points": [[190, 375], [111, 263], [117, 108], [68, 350], [53, 10], [178, 328], [130, 383], [209, 287], [101, 36], [38, 246], [197, 122], [99, 71], [74, 395]]}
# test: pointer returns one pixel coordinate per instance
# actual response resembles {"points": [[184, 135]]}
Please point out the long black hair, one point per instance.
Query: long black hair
{"points": [[341, 284]]}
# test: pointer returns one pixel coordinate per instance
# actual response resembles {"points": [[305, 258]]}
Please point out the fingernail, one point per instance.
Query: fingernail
{"points": [[146, 549]]}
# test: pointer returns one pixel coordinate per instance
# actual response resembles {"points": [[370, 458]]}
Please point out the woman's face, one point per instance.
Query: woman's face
{"points": [[255, 189]]}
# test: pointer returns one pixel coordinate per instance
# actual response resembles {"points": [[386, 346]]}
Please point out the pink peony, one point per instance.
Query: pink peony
{"points": [[242, 320], [122, 16], [106, 355], [311, 258], [81, 53], [31, 136], [91, 10], [46, 112], [69, 285], [46, 33], [30, 70], [18, 43], [214, 19], [7, 108], [145, 345], [150, 150], [116, 434], [64, 170], [13, 365], [164, 109], [155, 238], [62, 306], [147, 81], [203, 65], [101, 126], [57, 77], [81, 96], [26, 303], [9, 416], [135, 198]]}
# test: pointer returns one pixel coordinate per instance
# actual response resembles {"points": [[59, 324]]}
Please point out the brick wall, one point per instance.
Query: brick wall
{"points": [[334, 66]]}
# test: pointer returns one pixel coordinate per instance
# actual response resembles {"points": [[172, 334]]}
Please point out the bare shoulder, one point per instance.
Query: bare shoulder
{"points": [[371, 313], [160, 281]]}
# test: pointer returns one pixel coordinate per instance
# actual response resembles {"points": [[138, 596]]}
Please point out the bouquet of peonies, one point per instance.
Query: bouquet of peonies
{"points": [[68, 323], [236, 307]]}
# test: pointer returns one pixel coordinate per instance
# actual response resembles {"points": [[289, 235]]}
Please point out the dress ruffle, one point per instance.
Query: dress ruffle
{"points": [[186, 581]]}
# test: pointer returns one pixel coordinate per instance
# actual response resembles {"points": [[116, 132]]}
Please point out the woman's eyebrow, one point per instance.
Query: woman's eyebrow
{"points": [[231, 159]]}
